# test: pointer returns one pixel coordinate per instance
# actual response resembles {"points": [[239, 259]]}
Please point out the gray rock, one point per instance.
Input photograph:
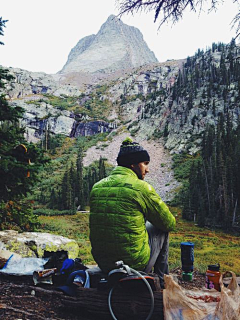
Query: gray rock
{"points": [[90, 128], [27, 83], [33, 244], [40, 117]]}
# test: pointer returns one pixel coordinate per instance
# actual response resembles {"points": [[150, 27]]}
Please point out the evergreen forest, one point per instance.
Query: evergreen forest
{"points": [[210, 195], [211, 176]]}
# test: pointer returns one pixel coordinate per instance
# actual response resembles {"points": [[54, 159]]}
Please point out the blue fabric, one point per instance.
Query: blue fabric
{"points": [[70, 289], [5, 266], [83, 274], [67, 266]]}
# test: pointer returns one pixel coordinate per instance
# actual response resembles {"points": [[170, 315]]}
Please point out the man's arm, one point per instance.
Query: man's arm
{"points": [[156, 211]]}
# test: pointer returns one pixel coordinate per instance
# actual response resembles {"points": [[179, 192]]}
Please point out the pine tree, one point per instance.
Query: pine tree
{"points": [[64, 190], [72, 196], [68, 189], [53, 203], [79, 180], [102, 170], [2, 25]]}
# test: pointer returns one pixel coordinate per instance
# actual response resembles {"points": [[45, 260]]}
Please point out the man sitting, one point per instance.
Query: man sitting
{"points": [[128, 219]]}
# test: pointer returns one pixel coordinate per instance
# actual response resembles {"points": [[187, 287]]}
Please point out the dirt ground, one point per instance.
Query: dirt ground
{"points": [[21, 300], [198, 279]]}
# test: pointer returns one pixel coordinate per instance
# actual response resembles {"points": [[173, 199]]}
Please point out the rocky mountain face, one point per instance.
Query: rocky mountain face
{"points": [[40, 118], [27, 83], [116, 46], [178, 102], [173, 101], [30, 90], [35, 93]]}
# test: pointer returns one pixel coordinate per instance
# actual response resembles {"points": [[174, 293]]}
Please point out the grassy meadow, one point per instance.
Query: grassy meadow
{"points": [[210, 247], [73, 227]]}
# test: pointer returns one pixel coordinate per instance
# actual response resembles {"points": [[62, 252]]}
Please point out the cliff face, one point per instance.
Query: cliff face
{"points": [[41, 117], [115, 47]]}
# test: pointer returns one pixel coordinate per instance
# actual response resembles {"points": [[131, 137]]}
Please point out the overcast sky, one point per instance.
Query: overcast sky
{"points": [[40, 33]]}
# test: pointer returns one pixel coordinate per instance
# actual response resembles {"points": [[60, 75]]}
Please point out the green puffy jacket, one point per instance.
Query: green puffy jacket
{"points": [[120, 204]]}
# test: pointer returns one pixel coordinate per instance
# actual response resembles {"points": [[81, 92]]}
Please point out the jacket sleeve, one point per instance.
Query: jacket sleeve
{"points": [[156, 211]]}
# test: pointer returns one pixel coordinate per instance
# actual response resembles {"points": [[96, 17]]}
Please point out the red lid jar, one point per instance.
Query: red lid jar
{"points": [[212, 277]]}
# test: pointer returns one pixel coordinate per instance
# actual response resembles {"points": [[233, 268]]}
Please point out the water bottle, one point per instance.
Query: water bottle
{"points": [[187, 256]]}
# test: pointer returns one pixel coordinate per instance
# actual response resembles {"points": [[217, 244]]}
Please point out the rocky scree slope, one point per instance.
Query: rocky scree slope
{"points": [[160, 176]]}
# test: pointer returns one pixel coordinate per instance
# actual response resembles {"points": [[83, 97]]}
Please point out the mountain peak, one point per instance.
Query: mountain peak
{"points": [[112, 17], [116, 46]]}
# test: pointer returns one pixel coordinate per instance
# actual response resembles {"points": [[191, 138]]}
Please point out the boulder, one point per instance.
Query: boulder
{"points": [[33, 244]]}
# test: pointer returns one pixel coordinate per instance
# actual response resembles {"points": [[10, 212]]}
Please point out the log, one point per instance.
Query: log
{"points": [[23, 301], [125, 305]]}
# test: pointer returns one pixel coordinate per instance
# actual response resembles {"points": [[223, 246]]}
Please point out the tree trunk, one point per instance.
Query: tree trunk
{"points": [[125, 305]]}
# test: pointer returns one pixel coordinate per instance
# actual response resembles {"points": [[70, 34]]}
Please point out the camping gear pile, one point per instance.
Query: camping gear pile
{"points": [[55, 268]]}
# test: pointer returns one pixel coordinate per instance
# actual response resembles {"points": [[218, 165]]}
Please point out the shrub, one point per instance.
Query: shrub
{"points": [[17, 215]]}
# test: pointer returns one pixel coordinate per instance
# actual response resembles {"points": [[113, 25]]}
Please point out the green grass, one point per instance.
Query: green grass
{"points": [[210, 247], [62, 103], [73, 227]]}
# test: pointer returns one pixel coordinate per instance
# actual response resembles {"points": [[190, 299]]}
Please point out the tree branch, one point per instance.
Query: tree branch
{"points": [[167, 10]]}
